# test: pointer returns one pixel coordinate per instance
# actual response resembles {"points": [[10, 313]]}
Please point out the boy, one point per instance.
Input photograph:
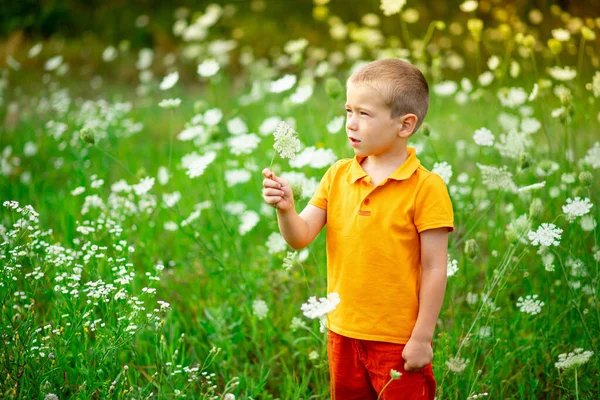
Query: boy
{"points": [[387, 220]]}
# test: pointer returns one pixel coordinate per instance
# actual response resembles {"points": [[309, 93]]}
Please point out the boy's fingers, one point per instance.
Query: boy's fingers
{"points": [[268, 183], [272, 192]]}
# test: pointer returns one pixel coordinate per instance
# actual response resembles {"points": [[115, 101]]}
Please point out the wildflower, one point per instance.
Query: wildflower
{"points": [[51, 396], [287, 143], [236, 176], [576, 208], [530, 305], [395, 374], [87, 135], [391, 7], [196, 164], [283, 84], [456, 364], [496, 178], [446, 88], [237, 126], [77, 191], [471, 248], [314, 308], [53, 63], [290, 260], [493, 62], [586, 178], [276, 243], [475, 26], [208, 68], [249, 220], [169, 81], [592, 157], [469, 6], [588, 223], [561, 34], [546, 235], [295, 46], [534, 92], [486, 78], [313, 157], [302, 94], [532, 187], [444, 170], [452, 267], [483, 137], [573, 359], [213, 116], [512, 97], [336, 124], [587, 33], [297, 323], [260, 308], [563, 74], [170, 103], [243, 144], [144, 186], [229, 396]]}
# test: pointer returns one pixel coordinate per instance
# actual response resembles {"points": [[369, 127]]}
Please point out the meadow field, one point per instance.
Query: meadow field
{"points": [[138, 259]]}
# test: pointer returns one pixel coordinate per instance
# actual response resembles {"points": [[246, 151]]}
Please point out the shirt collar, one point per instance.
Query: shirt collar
{"points": [[404, 171]]}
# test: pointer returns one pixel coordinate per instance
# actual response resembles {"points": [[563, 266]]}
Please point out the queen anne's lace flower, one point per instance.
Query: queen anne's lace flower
{"points": [[314, 308], [573, 359], [391, 7], [456, 364], [577, 207], [546, 235], [287, 143], [483, 137], [530, 304]]}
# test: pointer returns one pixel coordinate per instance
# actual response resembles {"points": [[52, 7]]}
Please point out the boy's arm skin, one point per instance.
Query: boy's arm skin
{"points": [[298, 230], [434, 261]]}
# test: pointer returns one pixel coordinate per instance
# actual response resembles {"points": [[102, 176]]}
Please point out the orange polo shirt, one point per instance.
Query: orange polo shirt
{"points": [[374, 246]]}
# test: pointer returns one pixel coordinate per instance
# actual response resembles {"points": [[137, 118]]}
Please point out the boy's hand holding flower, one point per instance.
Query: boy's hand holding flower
{"points": [[277, 192]]}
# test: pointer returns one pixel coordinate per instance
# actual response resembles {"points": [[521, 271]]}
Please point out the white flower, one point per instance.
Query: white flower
{"points": [[313, 157], [243, 144], [446, 88], [269, 125], [35, 50], [170, 103], [573, 359], [546, 235], [532, 187], [208, 68], [237, 126], [169, 81], [483, 137], [196, 164], [497, 178], [249, 220], [144, 186], [513, 144], [53, 63], [192, 132], [588, 223], [336, 124], [213, 116], [283, 84], [286, 143], [236, 176], [577, 207], [276, 243], [486, 78], [534, 92], [391, 7], [109, 54], [513, 97], [299, 179], [30, 149], [452, 267], [163, 175], [530, 305], [456, 364], [530, 125], [290, 260], [444, 170], [561, 34], [260, 308], [314, 308], [469, 6], [592, 157], [563, 74], [493, 62], [295, 46], [77, 191], [302, 94]]}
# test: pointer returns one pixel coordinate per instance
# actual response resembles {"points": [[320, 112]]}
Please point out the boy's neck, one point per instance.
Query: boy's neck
{"points": [[386, 163]]}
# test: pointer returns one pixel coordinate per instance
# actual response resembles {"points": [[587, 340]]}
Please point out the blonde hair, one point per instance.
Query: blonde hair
{"points": [[402, 86]]}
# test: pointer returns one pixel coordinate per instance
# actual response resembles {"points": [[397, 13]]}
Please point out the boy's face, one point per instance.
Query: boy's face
{"points": [[369, 125]]}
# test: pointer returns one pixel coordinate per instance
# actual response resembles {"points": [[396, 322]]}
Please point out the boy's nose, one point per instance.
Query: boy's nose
{"points": [[351, 123]]}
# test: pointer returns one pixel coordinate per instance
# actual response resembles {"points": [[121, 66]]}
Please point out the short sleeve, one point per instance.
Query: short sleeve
{"points": [[433, 207], [321, 195]]}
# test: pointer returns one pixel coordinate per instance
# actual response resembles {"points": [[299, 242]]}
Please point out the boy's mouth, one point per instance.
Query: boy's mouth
{"points": [[353, 140]]}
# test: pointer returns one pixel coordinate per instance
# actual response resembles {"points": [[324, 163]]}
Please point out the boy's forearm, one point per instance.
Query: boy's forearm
{"points": [[293, 228], [431, 297]]}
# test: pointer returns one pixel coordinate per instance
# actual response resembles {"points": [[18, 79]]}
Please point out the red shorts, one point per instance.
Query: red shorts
{"points": [[359, 369]]}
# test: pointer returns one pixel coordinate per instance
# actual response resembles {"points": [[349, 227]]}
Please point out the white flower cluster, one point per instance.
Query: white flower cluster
{"points": [[530, 305], [314, 308], [287, 143], [260, 308], [573, 359], [456, 364], [576, 208], [546, 235]]}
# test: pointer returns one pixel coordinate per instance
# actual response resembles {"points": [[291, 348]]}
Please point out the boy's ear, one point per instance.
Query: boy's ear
{"points": [[407, 124]]}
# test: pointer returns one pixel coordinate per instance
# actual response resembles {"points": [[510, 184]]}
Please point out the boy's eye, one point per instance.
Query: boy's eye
{"points": [[348, 111], [363, 113]]}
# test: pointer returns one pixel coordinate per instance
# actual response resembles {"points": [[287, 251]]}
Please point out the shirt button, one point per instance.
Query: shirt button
{"points": [[367, 201]]}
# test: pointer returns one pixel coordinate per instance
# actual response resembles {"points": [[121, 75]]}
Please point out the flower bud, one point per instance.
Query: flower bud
{"points": [[524, 161], [471, 248], [87, 135], [511, 235], [536, 208], [334, 88], [425, 129], [586, 178], [395, 374]]}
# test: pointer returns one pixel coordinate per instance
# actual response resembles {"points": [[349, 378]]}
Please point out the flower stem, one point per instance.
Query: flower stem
{"points": [[576, 385], [386, 385], [272, 159]]}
